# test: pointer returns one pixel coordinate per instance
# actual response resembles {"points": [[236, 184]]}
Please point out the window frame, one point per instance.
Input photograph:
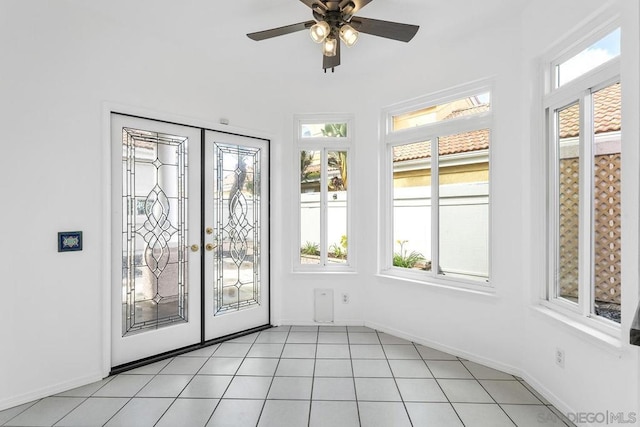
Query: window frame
{"points": [[573, 49], [431, 132], [324, 145], [555, 98]]}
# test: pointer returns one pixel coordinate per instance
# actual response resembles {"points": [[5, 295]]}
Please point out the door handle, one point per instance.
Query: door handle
{"points": [[195, 248], [210, 246], [209, 230]]}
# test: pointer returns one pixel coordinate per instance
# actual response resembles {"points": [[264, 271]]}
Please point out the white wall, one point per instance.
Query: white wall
{"points": [[606, 375], [466, 323], [63, 60]]}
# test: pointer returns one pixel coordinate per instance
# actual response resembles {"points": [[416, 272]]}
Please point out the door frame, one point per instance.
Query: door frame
{"points": [[109, 108]]}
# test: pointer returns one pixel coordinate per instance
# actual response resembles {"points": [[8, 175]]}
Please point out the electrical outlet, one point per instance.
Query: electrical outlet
{"points": [[560, 357], [345, 298]]}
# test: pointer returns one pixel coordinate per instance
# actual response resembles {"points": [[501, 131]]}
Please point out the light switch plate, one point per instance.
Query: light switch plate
{"points": [[69, 241]]}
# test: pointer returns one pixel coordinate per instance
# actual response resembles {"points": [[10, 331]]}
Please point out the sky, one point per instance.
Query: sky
{"points": [[593, 56]]}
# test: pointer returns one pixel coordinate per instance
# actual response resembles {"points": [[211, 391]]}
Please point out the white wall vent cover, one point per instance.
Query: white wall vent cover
{"points": [[323, 305]]}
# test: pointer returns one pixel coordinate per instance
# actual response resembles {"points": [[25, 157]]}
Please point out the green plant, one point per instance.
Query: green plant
{"points": [[334, 130], [310, 248], [337, 251], [338, 160], [401, 259], [306, 159], [343, 241]]}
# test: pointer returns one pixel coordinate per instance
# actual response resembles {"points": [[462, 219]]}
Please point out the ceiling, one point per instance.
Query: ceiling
{"points": [[218, 29], [439, 21]]}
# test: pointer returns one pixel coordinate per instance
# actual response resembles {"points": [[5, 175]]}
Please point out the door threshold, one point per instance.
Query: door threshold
{"points": [[173, 353]]}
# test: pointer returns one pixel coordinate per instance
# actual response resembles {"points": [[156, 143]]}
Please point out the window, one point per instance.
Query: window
{"points": [[588, 59], [324, 145], [437, 198], [584, 135]]}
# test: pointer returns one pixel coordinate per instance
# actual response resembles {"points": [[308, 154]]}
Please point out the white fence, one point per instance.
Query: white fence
{"points": [[310, 217], [464, 224]]}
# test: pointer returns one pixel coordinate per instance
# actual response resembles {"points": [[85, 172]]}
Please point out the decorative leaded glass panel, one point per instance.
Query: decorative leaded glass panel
{"points": [[154, 207], [237, 227]]}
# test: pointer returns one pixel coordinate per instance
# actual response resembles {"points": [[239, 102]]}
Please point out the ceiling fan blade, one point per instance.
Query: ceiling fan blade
{"points": [[280, 31], [358, 4], [386, 29], [331, 61], [316, 6]]}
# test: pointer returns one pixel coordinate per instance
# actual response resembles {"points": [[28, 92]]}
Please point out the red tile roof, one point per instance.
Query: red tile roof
{"points": [[419, 150], [606, 119], [470, 141], [606, 110], [476, 109], [452, 144]]}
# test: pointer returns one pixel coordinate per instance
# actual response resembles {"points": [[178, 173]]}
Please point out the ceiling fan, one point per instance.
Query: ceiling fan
{"points": [[333, 21]]}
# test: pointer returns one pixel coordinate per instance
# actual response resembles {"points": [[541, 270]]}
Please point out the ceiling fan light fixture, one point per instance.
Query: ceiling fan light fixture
{"points": [[348, 35], [330, 46], [334, 22], [320, 31]]}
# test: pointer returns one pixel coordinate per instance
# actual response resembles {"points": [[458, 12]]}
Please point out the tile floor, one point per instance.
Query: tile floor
{"points": [[300, 376]]}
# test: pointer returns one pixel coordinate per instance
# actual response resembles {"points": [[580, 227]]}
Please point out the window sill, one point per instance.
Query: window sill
{"points": [[602, 339], [348, 271], [480, 289]]}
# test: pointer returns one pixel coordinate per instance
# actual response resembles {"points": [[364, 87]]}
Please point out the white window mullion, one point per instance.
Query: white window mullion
{"points": [[350, 241], [324, 250], [389, 237], [554, 208], [435, 208], [586, 203], [583, 224]]}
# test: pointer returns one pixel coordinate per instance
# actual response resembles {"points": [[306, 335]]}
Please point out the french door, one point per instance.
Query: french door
{"points": [[236, 218], [190, 236]]}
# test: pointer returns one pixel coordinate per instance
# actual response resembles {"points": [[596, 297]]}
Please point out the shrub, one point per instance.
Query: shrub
{"points": [[401, 259], [310, 248], [337, 251]]}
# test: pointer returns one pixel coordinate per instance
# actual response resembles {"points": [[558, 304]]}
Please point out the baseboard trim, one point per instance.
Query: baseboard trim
{"points": [[447, 349], [289, 322], [50, 390], [558, 403]]}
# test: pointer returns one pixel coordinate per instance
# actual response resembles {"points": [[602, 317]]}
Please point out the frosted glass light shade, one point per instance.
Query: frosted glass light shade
{"points": [[330, 46], [319, 31], [348, 35]]}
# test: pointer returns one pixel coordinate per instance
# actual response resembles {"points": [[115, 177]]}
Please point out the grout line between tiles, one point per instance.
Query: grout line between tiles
{"points": [[404, 404], [353, 377], [297, 366], [264, 403], [438, 383]]}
